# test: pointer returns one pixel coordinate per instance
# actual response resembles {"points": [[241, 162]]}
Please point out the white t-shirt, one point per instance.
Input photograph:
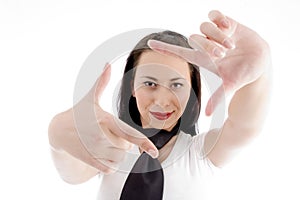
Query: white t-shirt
{"points": [[186, 171]]}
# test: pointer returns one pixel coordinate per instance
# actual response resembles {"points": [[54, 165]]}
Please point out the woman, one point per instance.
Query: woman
{"points": [[142, 55], [165, 94]]}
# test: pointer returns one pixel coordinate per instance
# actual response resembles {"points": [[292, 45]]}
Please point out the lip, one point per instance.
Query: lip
{"points": [[161, 116]]}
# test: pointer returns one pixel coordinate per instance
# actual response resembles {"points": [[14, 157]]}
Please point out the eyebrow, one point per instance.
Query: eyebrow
{"points": [[155, 79]]}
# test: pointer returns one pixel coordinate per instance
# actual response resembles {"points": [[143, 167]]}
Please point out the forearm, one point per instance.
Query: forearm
{"points": [[249, 105], [66, 149]]}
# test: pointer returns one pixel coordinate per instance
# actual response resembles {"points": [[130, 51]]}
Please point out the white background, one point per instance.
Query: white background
{"points": [[44, 43]]}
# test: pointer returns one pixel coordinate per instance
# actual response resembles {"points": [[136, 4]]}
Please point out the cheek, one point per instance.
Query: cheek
{"points": [[182, 99], [143, 99]]}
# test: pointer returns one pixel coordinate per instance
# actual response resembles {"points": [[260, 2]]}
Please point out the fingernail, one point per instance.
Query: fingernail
{"points": [[228, 43], [225, 23], [152, 153], [218, 52]]}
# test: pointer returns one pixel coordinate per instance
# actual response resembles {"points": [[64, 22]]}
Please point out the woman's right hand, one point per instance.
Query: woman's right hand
{"points": [[95, 136]]}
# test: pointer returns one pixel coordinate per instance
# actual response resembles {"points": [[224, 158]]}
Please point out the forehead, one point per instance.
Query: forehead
{"points": [[157, 64]]}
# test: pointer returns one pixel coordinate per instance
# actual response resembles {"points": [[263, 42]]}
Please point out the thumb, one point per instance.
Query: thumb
{"points": [[101, 83], [216, 98]]}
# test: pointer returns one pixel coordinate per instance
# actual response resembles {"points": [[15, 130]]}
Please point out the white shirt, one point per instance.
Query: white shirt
{"points": [[186, 171]]}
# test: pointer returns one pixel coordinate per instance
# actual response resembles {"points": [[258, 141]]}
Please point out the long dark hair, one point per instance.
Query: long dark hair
{"points": [[127, 107]]}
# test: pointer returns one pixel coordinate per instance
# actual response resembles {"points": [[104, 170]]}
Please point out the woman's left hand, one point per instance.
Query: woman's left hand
{"points": [[237, 54]]}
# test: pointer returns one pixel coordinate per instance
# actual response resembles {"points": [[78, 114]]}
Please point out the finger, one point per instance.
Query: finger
{"points": [[78, 150], [219, 19], [115, 140], [196, 56], [104, 166], [166, 48], [225, 23], [215, 100], [111, 165], [101, 83], [202, 60], [132, 135], [215, 34], [112, 154], [211, 47], [123, 130]]}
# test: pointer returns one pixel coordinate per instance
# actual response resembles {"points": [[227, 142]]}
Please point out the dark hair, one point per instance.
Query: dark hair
{"points": [[127, 108]]}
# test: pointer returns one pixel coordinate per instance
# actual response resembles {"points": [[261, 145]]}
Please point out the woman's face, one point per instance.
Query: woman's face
{"points": [[162, 88]]}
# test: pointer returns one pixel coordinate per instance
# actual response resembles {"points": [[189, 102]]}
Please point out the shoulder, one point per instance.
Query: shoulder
{"points": [[195, 154], [195, 139], [196, 147]]}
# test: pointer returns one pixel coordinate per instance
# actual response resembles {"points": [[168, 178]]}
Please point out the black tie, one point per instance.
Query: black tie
{"points": [[146, 179]]}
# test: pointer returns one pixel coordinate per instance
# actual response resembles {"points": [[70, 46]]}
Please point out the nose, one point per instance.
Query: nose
{"points": [[163, 96]]}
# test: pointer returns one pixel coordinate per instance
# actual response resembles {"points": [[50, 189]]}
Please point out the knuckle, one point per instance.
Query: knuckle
{"points": [[144, 145], [105, 168], [201, 42], [105, 118], [264, 48], [113, 157]]}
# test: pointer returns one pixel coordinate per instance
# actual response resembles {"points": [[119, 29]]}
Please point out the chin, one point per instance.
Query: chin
{"points": [[166, 125]]}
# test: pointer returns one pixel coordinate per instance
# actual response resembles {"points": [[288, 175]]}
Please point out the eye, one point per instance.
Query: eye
{"points": [[150, 84], [177, 85]]}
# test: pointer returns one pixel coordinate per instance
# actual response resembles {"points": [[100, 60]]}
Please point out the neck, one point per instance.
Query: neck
{"points": [[160, 137]]}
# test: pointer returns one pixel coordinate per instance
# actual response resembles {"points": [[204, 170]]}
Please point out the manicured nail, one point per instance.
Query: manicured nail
{"points": [[152, 153], [218, 52], [228, 43]]}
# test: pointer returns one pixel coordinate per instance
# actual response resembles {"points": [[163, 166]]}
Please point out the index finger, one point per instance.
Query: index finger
{"points": [[219, 19], [225, 23], [165, 48], [197, 56], [123, 130]]}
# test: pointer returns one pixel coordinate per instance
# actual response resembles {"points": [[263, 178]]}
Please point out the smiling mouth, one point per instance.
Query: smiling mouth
{"points": [[161, 116]]}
